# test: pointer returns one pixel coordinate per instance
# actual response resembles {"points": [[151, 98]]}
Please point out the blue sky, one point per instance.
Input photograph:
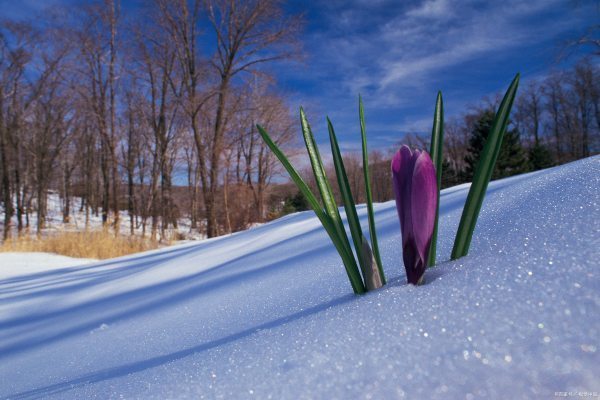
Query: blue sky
{"points": [[398, 54]]}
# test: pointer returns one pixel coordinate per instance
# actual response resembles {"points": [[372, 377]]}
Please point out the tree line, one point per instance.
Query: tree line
{"points": [[555, 120], [108, 108]]}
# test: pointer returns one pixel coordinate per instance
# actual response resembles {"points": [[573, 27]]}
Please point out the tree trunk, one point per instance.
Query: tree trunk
{"points": [[41, 208], [18, 196], [105, 185], [211, 219], [130, 194], [6, 189], [115, 188], [112, 144]]}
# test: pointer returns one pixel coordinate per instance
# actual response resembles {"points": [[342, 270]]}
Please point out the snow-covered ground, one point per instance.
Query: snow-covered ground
{"points": [[269, 313], [16, 264]]}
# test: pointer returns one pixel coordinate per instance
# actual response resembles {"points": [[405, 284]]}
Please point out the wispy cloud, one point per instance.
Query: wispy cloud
{"points": [[28, 9], [430, 38], [431, 9]]}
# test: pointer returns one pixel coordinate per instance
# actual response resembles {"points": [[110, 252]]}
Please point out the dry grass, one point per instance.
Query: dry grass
{"points": [[91, 244]]}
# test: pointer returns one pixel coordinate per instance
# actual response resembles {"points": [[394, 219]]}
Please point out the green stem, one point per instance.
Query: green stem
{"points": [[322, 182], [436, 152], [348, 199], [483, 173], [365, 155], [347, 258]]}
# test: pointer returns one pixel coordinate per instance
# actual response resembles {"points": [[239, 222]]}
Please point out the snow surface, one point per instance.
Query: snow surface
{"points": [[15, 264], [269, 313]]}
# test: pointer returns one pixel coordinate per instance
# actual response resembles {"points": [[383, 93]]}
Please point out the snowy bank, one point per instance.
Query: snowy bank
{"points": [[14, 263], [269, 313]]}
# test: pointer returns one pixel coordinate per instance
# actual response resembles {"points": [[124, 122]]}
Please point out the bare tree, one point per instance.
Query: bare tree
{"points": [[17, 95], [584, 80], [572, 101], [156, 63], [256, 165], [51, 128], [249, 33], [554, 95], [96, 74], [381, 175], [528, 112], [13, 60]]}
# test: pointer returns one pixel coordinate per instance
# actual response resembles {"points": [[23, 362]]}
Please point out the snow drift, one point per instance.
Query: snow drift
{"points": [[269, 313]]}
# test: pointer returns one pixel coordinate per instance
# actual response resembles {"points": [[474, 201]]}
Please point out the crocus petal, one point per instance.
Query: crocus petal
{"points": [[415, 187], [412, 263], [424, 203], [402, 171]]}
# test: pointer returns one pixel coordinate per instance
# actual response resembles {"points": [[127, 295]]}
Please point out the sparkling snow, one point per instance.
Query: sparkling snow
{"points": [[15, 264], [269, 313]]}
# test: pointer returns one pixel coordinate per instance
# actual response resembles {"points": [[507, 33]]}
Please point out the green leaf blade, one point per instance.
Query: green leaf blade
{"points": [[322, 181], [369, 195], [302, 186], [326, 221], [348, 199], [436, 152], [483, 173]]}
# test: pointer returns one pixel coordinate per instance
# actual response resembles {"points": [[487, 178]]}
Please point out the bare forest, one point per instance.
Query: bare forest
{"points": [[155, 118]]}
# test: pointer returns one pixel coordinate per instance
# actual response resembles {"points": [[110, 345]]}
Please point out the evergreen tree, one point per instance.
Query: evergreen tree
{"points": [[299, 202], [294, 204], [450, 176], [539, 157], [512, 159]]}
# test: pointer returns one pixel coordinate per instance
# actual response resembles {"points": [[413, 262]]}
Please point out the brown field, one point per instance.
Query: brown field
{"points": [[99, 244]]}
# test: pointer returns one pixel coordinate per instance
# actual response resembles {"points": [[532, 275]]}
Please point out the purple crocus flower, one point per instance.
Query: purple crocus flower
{"points": [[415, 187]]}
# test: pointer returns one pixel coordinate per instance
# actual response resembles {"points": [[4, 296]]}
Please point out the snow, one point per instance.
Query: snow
{"points": [[15, 264], [269, 313]]}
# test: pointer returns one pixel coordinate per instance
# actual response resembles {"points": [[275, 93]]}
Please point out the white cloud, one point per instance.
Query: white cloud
{"points": [[431, 9]]}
